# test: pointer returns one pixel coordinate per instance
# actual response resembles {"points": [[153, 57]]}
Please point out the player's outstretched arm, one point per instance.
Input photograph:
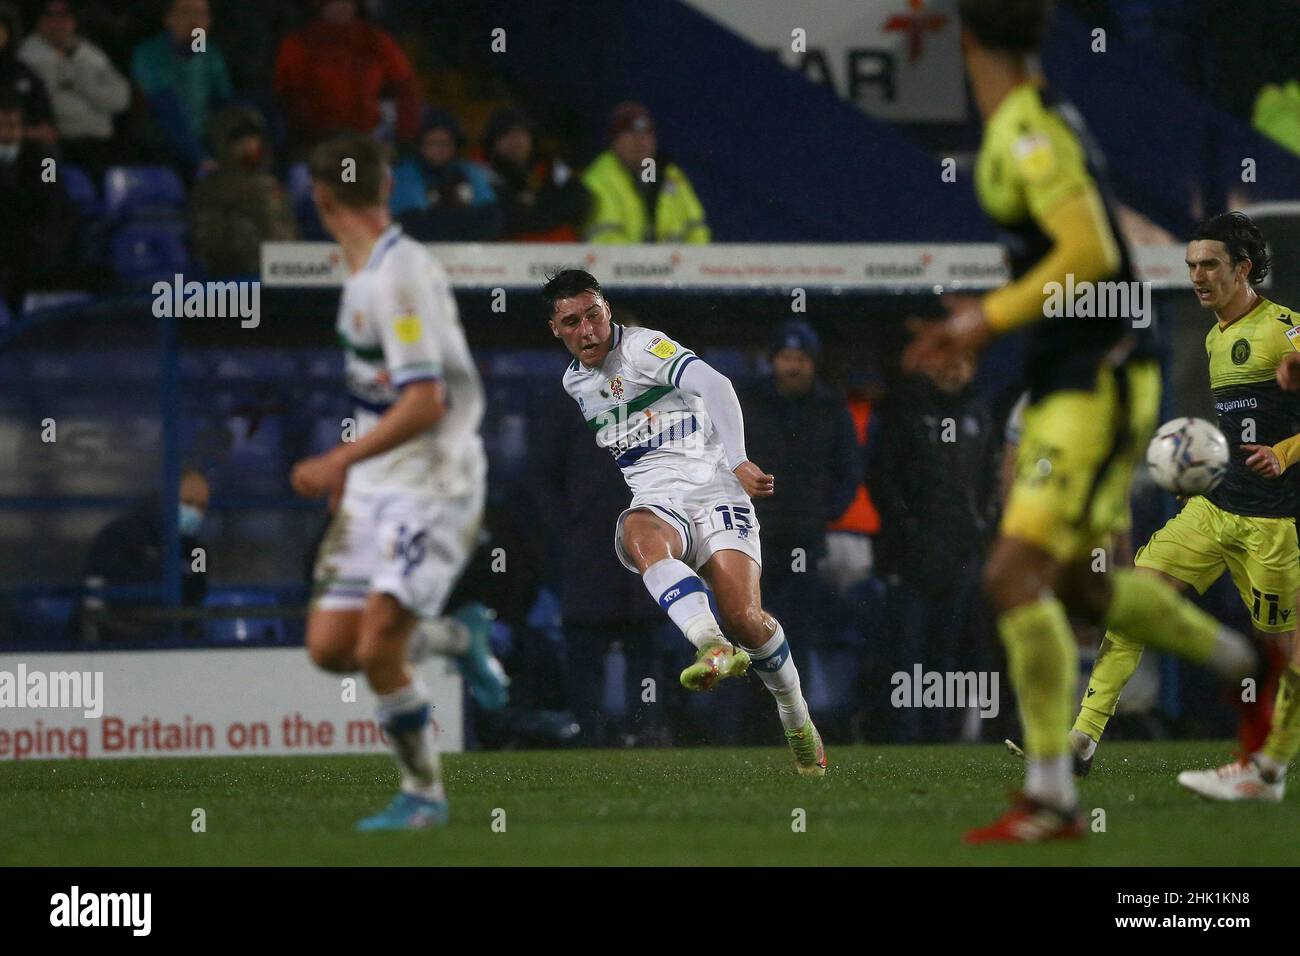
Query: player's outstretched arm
{"points": [[418, 408], [1272, 461], [723, 408], [1083, 245]]}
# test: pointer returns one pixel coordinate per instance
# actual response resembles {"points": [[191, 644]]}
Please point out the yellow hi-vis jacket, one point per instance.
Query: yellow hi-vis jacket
{"points": [[618, 214], [1277, 114]]}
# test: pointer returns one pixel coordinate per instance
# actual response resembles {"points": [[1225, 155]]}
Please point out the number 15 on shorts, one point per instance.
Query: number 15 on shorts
{"points": [[734, 518]]}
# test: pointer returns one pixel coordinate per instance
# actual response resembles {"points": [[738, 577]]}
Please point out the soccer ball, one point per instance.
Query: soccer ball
{"points": [[1188, 456]]}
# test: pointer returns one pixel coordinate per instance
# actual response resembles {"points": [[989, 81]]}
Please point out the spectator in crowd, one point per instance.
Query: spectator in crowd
{"points": [[439, 196], [183, 75], [800, 429], [130, 550], [239, 205], [849, 550], [541, 199], [633, 200], [937, 487], [579, 494], [85, 89], [19, 80], [37, 224], [331, 74]]}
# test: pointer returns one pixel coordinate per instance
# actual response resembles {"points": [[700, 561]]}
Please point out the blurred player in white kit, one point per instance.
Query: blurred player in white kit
{"points": [[408, 493]]}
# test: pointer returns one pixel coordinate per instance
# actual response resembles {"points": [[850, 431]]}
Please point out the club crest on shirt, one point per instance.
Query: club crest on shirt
{"points": [[616, 387], [358, 322], [661, 347]]}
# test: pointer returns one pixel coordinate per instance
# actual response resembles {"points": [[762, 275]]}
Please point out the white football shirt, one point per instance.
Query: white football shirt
{"points": [[398, 324], [660, 436]]}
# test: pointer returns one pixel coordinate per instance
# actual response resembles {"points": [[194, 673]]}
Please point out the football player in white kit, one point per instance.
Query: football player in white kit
{"points": [[674, 427], [408, 492]]}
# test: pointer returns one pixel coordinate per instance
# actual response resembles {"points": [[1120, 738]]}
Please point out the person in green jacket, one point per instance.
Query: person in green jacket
{"points": [[637, 196]]}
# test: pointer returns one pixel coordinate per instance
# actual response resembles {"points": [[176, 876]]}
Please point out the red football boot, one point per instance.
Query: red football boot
{"points": [[1029, 821]]}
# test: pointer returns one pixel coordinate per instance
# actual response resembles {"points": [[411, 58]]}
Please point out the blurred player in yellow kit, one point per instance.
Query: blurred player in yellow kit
{"points": [[1094, 388]]}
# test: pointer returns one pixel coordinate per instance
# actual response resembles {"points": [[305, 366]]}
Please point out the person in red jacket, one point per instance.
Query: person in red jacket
{"points": [[330, 75]]}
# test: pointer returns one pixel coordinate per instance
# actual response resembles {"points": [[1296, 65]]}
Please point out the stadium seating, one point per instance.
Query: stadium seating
{"points": [[146, 251], [143, 192]]}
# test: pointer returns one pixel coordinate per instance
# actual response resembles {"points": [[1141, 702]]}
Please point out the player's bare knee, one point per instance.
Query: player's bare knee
{"points": [[1015, 575], [646, 539], [746, 624], [331, 657]]}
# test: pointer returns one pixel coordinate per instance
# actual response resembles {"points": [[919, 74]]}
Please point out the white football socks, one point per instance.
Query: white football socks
{"points": [[404, 715], [438, 635], [1051, 780], [775, 668], [1082, 744], [681, 593]]}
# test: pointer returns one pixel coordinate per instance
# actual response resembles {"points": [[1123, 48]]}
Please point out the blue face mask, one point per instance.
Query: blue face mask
{"points": [[191, 518]]}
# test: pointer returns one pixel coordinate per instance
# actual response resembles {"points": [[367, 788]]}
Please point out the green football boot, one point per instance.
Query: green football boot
{"points": [[713, 664], [809, 754]]}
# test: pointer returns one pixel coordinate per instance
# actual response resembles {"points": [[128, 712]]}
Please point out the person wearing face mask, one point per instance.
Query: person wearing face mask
{"points": [[130, 550], [37, 235], [239, 205]]}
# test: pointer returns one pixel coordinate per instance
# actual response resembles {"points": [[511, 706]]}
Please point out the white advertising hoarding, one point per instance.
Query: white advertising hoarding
{"points": [[899, 60], [199, 703], [834, 267]]}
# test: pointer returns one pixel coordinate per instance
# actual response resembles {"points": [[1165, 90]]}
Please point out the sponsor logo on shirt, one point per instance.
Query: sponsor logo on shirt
{"points": [[661, 347], [1033, 154], [408, 329]]}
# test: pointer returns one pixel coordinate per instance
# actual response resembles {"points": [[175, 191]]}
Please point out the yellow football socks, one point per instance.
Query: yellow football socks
{"points": [[1116, 661], [1044, 664], [1284, 738]]}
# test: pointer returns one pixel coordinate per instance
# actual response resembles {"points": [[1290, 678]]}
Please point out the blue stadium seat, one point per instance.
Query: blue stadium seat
{"points": [[143, 192], [145, 252], [241, 630], [299, 184], [83, 192], [36, 301]]}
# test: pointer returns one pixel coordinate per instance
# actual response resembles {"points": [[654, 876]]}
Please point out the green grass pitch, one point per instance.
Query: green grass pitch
{"points": [[878, 806]]}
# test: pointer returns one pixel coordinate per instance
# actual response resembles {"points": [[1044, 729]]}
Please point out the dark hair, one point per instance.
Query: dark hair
{"points": [[371, 158], [1012, 26], [11, 102], [1242, 239], [565, 284]]}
